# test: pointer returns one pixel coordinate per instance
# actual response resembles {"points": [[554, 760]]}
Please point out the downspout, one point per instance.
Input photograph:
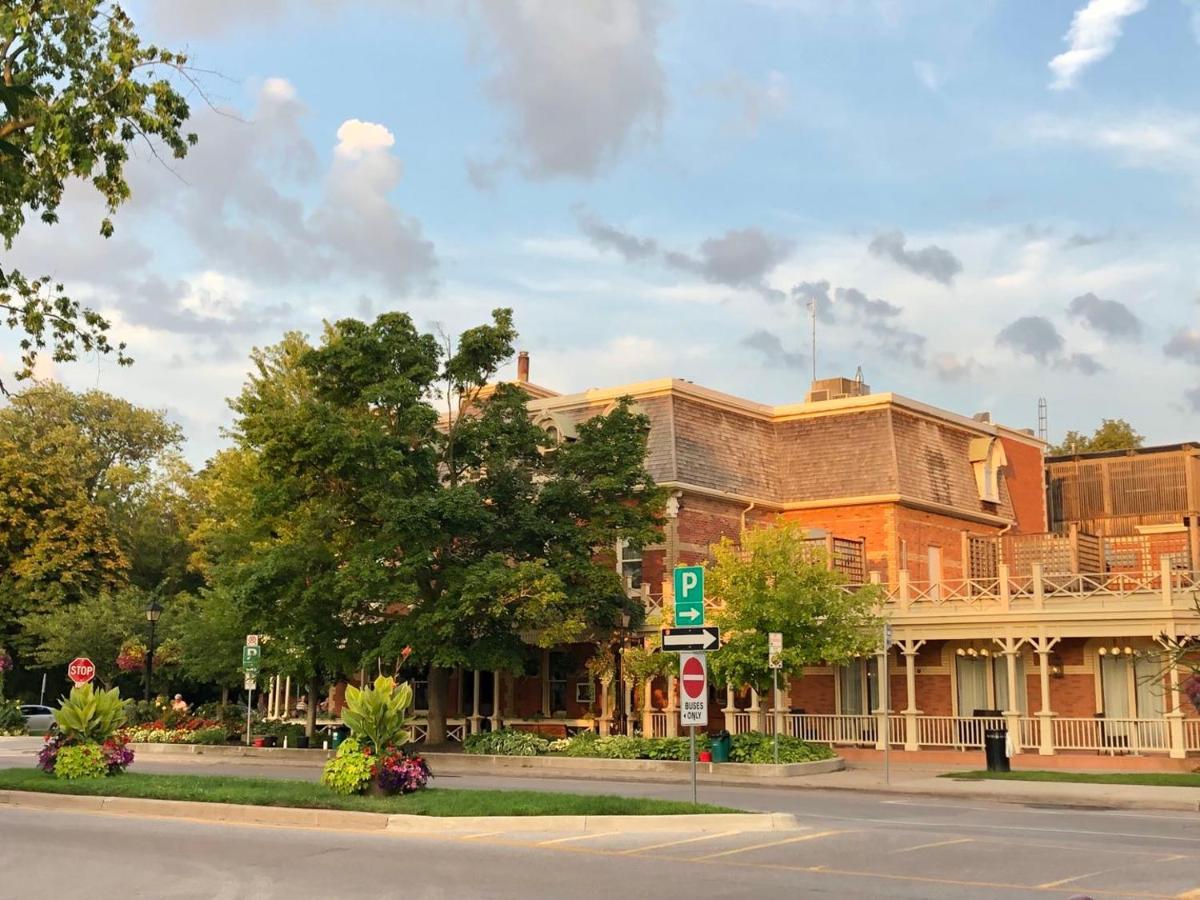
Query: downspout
{"points": [[753, 503]]}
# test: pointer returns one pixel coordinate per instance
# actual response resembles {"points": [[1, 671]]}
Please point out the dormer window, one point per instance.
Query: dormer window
{"points": [[559, 429], [987, 459]]}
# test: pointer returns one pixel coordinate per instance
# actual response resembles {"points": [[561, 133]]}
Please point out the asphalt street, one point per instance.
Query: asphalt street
{"points": [[852, 845]]}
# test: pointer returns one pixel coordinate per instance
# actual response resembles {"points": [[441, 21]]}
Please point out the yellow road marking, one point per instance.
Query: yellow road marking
{"points": [[482, 834], [574, 837], [1189, 895], [934, 844], [691, 840], [1062, 881], [791, 840]]}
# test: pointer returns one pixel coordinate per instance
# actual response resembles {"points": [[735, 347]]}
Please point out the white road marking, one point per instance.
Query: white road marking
{"points": [[791, 840]]}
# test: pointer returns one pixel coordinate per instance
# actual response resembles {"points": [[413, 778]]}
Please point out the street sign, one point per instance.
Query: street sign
{"points": [[775, 650], [251, 682], [693, 683], [81, 670], [252, 640], [684, 640], [251, 658], [689, 595]]}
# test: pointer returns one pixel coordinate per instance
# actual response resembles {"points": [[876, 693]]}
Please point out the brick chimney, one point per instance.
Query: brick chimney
{"points": [[523, 367]]}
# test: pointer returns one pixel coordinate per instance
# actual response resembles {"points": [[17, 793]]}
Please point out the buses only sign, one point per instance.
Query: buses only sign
{"points": [[693, 689]]}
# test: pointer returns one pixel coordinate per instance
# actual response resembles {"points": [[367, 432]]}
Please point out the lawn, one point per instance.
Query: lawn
{"points": [[306, 795], [1158, 779]]}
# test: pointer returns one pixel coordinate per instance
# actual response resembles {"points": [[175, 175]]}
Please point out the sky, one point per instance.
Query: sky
{"points": [[983, 203]]}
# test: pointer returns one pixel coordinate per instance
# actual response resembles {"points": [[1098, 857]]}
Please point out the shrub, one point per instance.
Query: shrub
{"points": [[85, 760], [1191, 687], [349, 772], [378, 716], [11, 720], [90, 716], [212, 736], [506, 743], [117, 755], [753, 747], [48, 755]]}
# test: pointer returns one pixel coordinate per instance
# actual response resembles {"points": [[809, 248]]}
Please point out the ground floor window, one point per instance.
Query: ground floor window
{"points": [[982, 683], [559, 671], [1130, 686]]}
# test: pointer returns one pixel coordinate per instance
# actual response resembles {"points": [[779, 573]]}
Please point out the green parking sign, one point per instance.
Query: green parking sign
{"points": [[689, 595], [251, 658]]}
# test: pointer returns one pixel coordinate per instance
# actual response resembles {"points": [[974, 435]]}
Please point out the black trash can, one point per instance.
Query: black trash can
{"points": [[995, 741], [722, 743]]}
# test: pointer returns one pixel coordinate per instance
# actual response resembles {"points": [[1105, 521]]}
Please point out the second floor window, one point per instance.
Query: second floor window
{"points": [[629, 565]]}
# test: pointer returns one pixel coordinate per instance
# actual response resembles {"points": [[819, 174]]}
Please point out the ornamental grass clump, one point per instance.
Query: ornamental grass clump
{"points": [[87, 743], [373, 760]]}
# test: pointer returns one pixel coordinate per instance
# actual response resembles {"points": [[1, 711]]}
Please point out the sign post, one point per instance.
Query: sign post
{"points": [[885, 699], [693, 710], [775, 662], [251, 663]]}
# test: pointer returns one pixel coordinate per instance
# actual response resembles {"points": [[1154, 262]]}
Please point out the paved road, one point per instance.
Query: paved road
{"points": [[853, 845]]}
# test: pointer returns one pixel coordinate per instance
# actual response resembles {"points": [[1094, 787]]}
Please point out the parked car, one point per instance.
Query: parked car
{"points": [[38, 718]]}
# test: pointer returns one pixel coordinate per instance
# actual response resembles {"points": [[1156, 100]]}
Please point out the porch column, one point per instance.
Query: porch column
{"points": [[758, 718], [605, 723], [476, 681], [648, 708], [497, 709], [1011, 649], [1174, 715], [912, 738], [627, 699], [1042, 646], [730, 710], [546, 684], [287, 697], [672, 710]]}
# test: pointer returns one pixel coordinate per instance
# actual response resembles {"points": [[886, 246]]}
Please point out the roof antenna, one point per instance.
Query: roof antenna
{"points": [[812, 311]]}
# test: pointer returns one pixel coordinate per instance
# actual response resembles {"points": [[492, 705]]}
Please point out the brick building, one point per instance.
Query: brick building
{"points": [[1031, 593]]}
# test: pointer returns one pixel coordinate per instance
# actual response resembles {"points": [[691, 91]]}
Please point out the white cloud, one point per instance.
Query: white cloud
{"points": [[1092, 36], [357, 139], [1159, 139], [929, 74]]}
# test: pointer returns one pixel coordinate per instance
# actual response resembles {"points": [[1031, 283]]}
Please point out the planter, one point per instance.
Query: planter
{"points": [[264, 740], [704, 756]]}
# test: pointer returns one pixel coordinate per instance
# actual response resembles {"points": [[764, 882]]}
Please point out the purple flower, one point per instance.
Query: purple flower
{"points": [[6, 662]]}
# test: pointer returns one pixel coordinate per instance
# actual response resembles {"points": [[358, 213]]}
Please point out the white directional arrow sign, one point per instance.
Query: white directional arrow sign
{"points": [[690, 615], [682, 640]]}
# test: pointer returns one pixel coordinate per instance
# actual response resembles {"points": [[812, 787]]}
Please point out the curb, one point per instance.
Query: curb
{"points": [[345, 820]]}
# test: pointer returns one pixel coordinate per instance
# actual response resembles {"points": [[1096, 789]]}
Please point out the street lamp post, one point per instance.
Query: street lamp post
{"points": [[153, 611]]}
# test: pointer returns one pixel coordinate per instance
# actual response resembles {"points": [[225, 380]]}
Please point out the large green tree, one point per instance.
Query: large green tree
{"points": [[81, 481], [77, 87], [380, 525], [775, 580], [1111, 434]]}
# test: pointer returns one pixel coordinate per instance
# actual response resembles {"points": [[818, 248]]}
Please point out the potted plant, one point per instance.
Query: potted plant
{"points": [[373, 759]]}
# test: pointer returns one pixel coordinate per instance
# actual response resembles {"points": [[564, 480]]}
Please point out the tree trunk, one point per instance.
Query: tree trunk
{"points": [[439, 698], [310, 721], [224, 696]]}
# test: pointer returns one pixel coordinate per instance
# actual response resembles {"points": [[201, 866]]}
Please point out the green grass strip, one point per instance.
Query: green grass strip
{"points": [[307, 795], [1156, 779]]}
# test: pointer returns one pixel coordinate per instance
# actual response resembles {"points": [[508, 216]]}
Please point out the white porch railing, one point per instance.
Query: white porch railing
{"points": [[1191, 734], [658, 724], [1112, 735], [418, 729], [1116, 736]]}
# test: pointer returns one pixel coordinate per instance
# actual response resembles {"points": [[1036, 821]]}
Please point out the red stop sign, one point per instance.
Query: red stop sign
{"points": [[692, 677], [81, 670]]}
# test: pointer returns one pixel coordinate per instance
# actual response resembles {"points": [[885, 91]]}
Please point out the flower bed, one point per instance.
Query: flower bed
{"points": [[88, 743], [191, 731], [747, 748]]}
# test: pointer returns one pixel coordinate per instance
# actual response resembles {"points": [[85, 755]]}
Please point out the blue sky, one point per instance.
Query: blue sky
{"points": [[988, 202]]}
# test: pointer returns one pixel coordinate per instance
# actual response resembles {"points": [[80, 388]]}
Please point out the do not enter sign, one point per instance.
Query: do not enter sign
{"points": [[81, 670], [693, 682]]}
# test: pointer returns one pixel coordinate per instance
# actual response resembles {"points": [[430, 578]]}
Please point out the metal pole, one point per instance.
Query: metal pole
{"points": [[150, 662], [885, 696], [249, 706], [775, 709], [42, 700], [692, 729]]}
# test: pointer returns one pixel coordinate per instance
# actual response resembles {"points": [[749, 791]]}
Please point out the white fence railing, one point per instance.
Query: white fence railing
{"points": [[1191, 734], [658, 724], [958, 732], [831, 729], [1112, 735]]}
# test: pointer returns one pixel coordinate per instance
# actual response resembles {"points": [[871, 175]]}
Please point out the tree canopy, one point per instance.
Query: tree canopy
{"points": [[372, 525], [773, 580], [1112, 434], [77, 87]]}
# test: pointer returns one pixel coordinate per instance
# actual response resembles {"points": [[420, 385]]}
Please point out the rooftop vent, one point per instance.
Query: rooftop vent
{"points": [[836, 389]]}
